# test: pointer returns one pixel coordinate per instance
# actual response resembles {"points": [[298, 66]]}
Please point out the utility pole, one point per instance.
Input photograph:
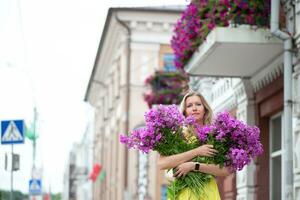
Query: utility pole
{"points": [[12, 173], [32, 135], [34, 139]]}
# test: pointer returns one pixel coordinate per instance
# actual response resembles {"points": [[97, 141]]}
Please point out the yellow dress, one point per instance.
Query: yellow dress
{"points": [[211, 192]]}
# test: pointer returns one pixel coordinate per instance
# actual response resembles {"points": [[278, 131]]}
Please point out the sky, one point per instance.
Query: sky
{"points": [[47, 52]]}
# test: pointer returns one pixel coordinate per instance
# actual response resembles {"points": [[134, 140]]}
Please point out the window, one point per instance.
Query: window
{"points": [[276, 157], [168, 62]]}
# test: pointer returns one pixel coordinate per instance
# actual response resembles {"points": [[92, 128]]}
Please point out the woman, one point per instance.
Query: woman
{"points": [[194, 104]]}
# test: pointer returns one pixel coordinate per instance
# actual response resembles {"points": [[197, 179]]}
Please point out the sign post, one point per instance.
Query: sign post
{"points": [[12, 132], [35, 187]]}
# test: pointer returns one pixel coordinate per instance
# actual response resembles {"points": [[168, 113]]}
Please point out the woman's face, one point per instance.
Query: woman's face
{"points": [[194, 106]]}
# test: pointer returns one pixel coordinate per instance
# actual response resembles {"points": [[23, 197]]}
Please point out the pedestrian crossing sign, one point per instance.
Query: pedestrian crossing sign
{"points": [[12, 132], [35, 187]]}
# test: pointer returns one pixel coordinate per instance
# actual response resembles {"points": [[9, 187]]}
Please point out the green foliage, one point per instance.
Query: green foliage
{"points": [[173, 143], [17, 195], [195, 181], [222, 149], [56, 196]]}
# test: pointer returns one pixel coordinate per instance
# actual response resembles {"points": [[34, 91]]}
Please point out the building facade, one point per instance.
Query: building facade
{"points": [[255, 75], [77, 185], [135, 43]]}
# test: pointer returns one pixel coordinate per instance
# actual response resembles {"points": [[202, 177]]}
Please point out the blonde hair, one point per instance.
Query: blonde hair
{"points": [[207, 119]]}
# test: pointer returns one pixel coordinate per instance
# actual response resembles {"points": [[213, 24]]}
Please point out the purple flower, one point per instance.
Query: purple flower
{"points": [[238, 157], [203, 132], [211, 26], [158, 120], [190, 121], [189, 32], [143, 139], [237, 142], [164, 117]]}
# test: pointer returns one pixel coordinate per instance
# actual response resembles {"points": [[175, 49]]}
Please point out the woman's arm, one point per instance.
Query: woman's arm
{"points": [[212, 169], [168, 162]]}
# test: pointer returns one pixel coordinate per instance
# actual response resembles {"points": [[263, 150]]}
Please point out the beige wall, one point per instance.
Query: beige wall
{"points": [[111, 119], [113, 153], [146, 57]]}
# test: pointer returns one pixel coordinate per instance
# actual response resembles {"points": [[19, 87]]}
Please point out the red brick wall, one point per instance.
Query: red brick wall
{"points": [[227, 187], [269, 101]]}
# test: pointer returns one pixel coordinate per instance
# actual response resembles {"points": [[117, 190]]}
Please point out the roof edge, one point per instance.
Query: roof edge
{"points": [[166, 9]]}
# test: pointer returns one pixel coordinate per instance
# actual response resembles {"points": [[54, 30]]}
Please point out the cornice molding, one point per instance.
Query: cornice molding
{"points": [[268, 74], [244, 92], [151, 26], [240, 92], [223, 97]]}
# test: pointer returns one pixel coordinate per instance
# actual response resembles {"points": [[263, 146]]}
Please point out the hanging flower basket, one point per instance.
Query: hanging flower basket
{"points": [[165, 87], [202, 16]]}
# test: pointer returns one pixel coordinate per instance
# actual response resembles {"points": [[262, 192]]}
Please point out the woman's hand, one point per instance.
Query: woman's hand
{"points": [[168, 162], [206, 150], [183, 169]]}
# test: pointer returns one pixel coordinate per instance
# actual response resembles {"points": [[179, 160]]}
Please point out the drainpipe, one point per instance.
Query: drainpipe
{"points": [[127, 104], [287, 158]]}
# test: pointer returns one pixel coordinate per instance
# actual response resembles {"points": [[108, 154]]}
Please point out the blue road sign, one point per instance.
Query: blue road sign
{"points": [[35, 186], [12, 132]]}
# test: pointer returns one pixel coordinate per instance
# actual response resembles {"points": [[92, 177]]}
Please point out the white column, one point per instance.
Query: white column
{"points": [[246, 112], [202, 85], [296, 131]]}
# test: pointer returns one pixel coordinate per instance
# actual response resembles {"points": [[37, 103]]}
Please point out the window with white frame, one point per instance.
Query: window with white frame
{"points": [[276, 156]]}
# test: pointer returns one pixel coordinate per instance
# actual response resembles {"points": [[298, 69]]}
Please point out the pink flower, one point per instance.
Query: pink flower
{"points": [[211, 26], [189, 32]]}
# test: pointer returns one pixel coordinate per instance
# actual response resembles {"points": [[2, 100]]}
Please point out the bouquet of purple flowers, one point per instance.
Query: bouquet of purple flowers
{"points": [[162, 133], [237, 143], [165, 132]]}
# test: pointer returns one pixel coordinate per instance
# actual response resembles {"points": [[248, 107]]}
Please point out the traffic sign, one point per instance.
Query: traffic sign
{"points": [[35, 187], [12, 132]]}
